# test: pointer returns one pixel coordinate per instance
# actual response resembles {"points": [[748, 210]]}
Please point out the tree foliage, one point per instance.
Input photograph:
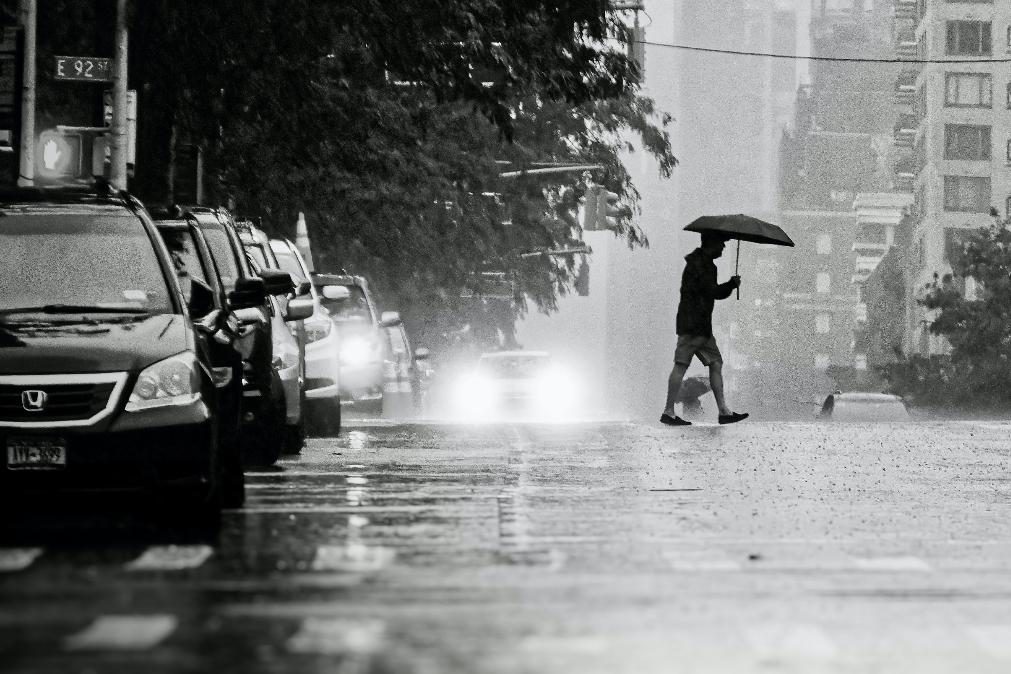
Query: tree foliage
{"points": [[976, 372], [388, 124]]}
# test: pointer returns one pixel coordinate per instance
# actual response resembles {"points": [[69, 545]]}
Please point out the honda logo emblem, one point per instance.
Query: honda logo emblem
{"points": [[34, 400]]}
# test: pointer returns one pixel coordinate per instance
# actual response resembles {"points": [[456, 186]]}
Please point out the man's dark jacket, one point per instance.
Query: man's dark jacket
{"points": [[699, 292]]}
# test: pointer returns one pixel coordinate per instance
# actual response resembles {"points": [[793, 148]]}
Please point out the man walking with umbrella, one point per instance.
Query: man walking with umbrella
{"points": [[699, 292]]}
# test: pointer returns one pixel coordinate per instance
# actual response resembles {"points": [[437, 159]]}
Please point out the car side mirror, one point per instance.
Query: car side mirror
{"points": [[422, 353], [298, 310], [277, 282], [249, 316], [201, 299], [304, 288], [390, 319], [335, 292], [249, 292]]}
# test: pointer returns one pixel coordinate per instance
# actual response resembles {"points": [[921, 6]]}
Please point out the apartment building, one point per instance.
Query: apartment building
{"points": [[959, 124]]}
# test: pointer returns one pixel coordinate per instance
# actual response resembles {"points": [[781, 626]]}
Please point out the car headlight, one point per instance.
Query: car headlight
{"points": [[358, 351], [173, 381], [317, 330]]}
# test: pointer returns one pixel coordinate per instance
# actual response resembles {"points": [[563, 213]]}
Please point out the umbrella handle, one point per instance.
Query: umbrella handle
{"points": [[737, 261]]}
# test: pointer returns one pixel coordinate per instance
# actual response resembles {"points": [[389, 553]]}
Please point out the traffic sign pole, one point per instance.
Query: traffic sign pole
{"points": [[27, 13], [119, 101]]}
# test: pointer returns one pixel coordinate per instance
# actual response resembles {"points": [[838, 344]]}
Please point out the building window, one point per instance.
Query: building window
{"points": [[1009, 93], [970, 289], [823, 282], [965, 141], [1009, 152], [822, 323], [974, 90], [1007, 208], [967, 194], [821, 361], [1009, 38], [824, 244], [860, 361], [968, 38]]}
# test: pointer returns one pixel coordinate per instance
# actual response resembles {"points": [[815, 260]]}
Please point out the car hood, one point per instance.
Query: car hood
{"points": [[112, 345]]}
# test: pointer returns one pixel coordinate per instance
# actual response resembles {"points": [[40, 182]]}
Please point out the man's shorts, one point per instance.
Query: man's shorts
{"points": [[703, 347]]}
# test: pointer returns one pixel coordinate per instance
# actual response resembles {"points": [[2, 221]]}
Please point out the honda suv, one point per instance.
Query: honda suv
{"points": [[106, 382]]}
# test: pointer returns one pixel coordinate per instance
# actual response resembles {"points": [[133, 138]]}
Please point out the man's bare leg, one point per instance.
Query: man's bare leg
{"points": [[677, 375], [716, 382]]}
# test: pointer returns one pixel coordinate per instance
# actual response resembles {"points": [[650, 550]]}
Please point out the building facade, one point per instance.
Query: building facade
{"points": [[960, 127]]}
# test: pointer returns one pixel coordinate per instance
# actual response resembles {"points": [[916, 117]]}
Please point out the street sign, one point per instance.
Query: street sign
{"points": [[83, 68]]}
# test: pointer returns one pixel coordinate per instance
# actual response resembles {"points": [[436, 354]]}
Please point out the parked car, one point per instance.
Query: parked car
{"points": [[407, 371], [863, 406], [516, 384], [262, 433], [106, 382], [322, 347], [362, 341], [198, 276]]}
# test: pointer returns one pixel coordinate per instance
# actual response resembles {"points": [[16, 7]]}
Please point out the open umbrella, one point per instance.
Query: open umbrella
{"points": [[743, 228]]}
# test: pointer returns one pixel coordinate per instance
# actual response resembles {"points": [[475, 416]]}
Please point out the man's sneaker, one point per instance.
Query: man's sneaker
{"points": [[673, 421], [733, 417]]}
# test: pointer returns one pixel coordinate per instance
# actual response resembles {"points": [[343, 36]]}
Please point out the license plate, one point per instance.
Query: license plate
{"points": [[36, 453]]}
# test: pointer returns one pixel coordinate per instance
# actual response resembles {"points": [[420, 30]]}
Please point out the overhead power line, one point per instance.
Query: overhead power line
{"points": [[796, 57]]}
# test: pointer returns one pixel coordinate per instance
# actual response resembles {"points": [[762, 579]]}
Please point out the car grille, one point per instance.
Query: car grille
{"points": [[65, 402]]}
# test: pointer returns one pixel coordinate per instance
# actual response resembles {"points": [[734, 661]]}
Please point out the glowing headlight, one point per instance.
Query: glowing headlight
{"points": [[173, 381], [357, 351], [317, 330]]}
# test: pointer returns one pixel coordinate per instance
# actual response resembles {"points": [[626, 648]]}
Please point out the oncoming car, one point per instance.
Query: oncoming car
{"points": [[517, 385], [860, 406]]}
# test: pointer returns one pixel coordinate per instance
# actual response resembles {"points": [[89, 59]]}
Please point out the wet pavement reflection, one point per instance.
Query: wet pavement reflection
{"points": [[533, 548]]}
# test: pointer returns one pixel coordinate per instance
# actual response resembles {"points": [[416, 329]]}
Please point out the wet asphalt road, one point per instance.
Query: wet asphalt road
{"points": [[573, 548]]}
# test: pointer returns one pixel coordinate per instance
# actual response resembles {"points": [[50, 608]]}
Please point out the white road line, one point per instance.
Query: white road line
{"points": [[891, 564], [700, 560], [123, 633], [791, 642], [352, 558], [994, 639], [586, 645], [171, 558], [338, 636], [17, 559]]}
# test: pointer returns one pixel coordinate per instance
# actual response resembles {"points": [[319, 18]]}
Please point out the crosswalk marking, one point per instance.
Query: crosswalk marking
{"points": [[333, 636], [791, 641], [352, 557], [171, 558], [123, 633], [994, 639], [891, 564], [16, 559]]}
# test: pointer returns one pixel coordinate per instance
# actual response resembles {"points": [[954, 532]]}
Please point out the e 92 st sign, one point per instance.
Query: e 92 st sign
{"points": [[83, 68]]}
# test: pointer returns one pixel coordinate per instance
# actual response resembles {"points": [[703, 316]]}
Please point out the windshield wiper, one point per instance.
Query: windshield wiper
{"points": [[76, 309]]}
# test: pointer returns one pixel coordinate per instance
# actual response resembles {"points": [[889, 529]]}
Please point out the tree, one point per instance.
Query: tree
{"points": [[367, 116], [977, 326]]}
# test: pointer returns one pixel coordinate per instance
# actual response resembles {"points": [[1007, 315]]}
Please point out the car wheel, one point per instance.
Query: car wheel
{"points": [[233, 479], [326, 416]]}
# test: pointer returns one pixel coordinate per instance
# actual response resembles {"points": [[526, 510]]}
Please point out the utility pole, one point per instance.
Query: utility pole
{"points": [[27, 18], [119, 101]]}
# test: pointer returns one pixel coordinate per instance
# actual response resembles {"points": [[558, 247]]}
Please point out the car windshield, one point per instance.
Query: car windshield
{"points": [[355, 309], [289, 263], [187, 261], [221, 249], [106, 262], [513, 367]]}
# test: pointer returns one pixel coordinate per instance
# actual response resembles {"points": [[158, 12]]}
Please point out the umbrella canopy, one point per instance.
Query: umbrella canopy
{"points": [[741, 227]]}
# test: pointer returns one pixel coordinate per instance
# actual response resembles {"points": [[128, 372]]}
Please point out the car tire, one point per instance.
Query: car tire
{"points": [[326, 416]]}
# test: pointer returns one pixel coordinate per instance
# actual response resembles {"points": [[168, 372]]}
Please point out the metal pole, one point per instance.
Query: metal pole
{"points": [[737, 261], [119, 100], [27, 13]]}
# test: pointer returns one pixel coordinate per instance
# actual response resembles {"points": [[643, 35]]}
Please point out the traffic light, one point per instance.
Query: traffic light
{"points": [[582, 281], [58, 156], [602, 209]]}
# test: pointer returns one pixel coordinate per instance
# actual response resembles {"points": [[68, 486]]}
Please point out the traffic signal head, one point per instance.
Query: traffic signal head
{"points": [[58, 156]]}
